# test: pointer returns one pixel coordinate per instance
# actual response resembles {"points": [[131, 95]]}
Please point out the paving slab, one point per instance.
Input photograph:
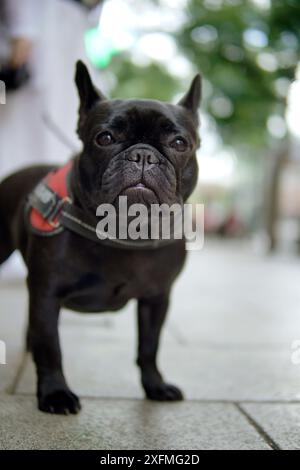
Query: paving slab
{"points": [[229, 295], [280, 421], [126, 424], [103, 367], [13, 320]]}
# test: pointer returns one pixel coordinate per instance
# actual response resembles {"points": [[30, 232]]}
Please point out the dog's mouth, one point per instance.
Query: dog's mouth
{"points": [[139, 192], [138, 186]]}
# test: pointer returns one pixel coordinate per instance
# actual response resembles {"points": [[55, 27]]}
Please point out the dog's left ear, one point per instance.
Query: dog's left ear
{"points": [[88, 93], [191, 100]]}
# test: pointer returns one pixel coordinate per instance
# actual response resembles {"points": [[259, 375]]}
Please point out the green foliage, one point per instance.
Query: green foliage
{"points": [[243, 51], [151, 81]]}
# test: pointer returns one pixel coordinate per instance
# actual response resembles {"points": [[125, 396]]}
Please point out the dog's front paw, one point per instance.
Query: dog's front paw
{"points": [[62, 402], [163, 392]]}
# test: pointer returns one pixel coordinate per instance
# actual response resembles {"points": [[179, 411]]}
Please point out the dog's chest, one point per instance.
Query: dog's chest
{"points": [[106, 283], [92, 293]]}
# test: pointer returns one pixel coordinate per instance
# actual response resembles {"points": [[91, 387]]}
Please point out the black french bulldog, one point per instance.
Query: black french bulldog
{"points": [[141, 148]]}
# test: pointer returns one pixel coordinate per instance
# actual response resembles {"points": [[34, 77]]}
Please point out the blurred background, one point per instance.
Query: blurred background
{"points": [[248, 54]]}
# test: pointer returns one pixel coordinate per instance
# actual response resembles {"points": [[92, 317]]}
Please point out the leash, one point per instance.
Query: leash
{"points": [[57, 132]]}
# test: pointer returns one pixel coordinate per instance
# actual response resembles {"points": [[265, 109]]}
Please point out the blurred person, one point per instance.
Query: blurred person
{"points": [[44, 39], [18, 33]]}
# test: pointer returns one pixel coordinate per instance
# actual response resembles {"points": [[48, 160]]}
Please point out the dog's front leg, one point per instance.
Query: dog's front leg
{"points": [[54, 395], [151, 315]]}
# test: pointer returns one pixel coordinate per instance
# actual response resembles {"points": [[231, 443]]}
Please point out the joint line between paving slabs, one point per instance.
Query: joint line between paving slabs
{"points": [[264, 435]]}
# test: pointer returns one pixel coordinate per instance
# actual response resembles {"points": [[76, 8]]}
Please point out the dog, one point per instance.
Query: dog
{"points": [[144, 149]]}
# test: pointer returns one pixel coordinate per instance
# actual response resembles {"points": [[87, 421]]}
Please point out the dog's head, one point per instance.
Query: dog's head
{"points": [[143, 149]]}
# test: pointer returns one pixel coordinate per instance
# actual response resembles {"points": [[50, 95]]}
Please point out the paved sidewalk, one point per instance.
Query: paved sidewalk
{"points": [[228, 344]]}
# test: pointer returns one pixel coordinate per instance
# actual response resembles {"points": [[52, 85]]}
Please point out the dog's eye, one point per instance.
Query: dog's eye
{"points": [[104, 139], [179, 144]]}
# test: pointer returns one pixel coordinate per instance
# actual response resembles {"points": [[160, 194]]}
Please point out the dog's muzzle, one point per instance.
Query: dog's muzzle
{"points": [[143, 155]]}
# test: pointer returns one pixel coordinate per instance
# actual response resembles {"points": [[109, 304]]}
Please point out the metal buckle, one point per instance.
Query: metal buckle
{"points": [[43, 200], [57, 211]]}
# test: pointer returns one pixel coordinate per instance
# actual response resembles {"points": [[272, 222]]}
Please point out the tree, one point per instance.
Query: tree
{"points": [[249, 55], [249, 51]]}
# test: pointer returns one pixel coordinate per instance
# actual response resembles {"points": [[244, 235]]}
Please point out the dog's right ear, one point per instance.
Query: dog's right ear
{"points": [[88, 93], [191, 99]]}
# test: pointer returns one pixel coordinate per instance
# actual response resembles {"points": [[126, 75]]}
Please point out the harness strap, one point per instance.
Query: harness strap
{"points": [[75, 219]]}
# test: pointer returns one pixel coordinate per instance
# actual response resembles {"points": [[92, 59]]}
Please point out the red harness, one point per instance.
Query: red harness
{"points": [[57, 182]]}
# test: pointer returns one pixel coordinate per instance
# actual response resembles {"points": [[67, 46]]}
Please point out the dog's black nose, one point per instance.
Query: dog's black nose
{"points": [[143, 157]]}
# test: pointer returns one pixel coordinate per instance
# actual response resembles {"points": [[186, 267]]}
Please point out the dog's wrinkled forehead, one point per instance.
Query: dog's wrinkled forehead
{"points": [[140, 117]]}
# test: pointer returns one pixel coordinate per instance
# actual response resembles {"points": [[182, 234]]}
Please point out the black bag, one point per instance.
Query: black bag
{"points": [[14, 78]]}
